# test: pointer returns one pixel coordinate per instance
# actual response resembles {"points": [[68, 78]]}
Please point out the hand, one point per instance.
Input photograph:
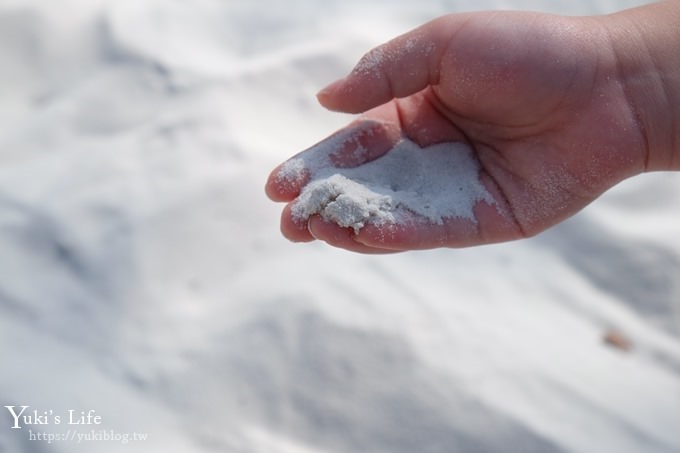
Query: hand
{"points": [[538, 98]]}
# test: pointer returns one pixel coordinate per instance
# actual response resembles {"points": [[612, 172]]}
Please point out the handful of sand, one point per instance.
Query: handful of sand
{"points": [[435, 183]]}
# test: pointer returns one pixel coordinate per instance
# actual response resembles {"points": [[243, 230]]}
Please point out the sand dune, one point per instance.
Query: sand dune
{"points": [[144, 277]]}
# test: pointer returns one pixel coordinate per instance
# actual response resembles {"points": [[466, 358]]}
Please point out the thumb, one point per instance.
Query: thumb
{"points": [[401, 67]]}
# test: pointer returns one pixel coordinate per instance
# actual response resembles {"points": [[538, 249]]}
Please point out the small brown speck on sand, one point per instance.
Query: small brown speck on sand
{"points": [[618, 340]]}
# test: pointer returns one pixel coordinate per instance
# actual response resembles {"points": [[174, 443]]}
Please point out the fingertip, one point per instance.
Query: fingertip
{"points": [[294, 229], [286, 180], [272, 189], [327, 96], [348, 96]]}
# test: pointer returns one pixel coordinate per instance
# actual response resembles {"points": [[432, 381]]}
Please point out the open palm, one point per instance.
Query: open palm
{"points": [[537, 97]]}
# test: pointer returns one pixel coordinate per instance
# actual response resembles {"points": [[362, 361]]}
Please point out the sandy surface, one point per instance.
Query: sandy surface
{"points": [[144, 277]]}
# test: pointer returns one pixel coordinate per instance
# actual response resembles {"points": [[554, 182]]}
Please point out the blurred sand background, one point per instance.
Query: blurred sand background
{"points": [[143, 276]]}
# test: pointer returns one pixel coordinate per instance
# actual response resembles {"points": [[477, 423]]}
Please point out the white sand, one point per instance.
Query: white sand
{"points": [[436, 183], [143, 274]]}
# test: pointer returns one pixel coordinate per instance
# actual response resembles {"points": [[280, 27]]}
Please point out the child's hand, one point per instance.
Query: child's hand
{"points": [[539, 99]]}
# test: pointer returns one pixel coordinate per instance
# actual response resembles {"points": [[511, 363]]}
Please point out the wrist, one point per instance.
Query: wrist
{"points": [[645, 42]]}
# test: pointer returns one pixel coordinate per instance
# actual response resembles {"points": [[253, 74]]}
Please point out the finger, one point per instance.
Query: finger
{"points": [[363, 141], [414, 233], [293, 228], [491, 224], [360, 142], [285, 180], [401, 67], [340, 237]]}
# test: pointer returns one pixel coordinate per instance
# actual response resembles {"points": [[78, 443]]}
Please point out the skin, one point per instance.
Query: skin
{"points": [[557, 110]]}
